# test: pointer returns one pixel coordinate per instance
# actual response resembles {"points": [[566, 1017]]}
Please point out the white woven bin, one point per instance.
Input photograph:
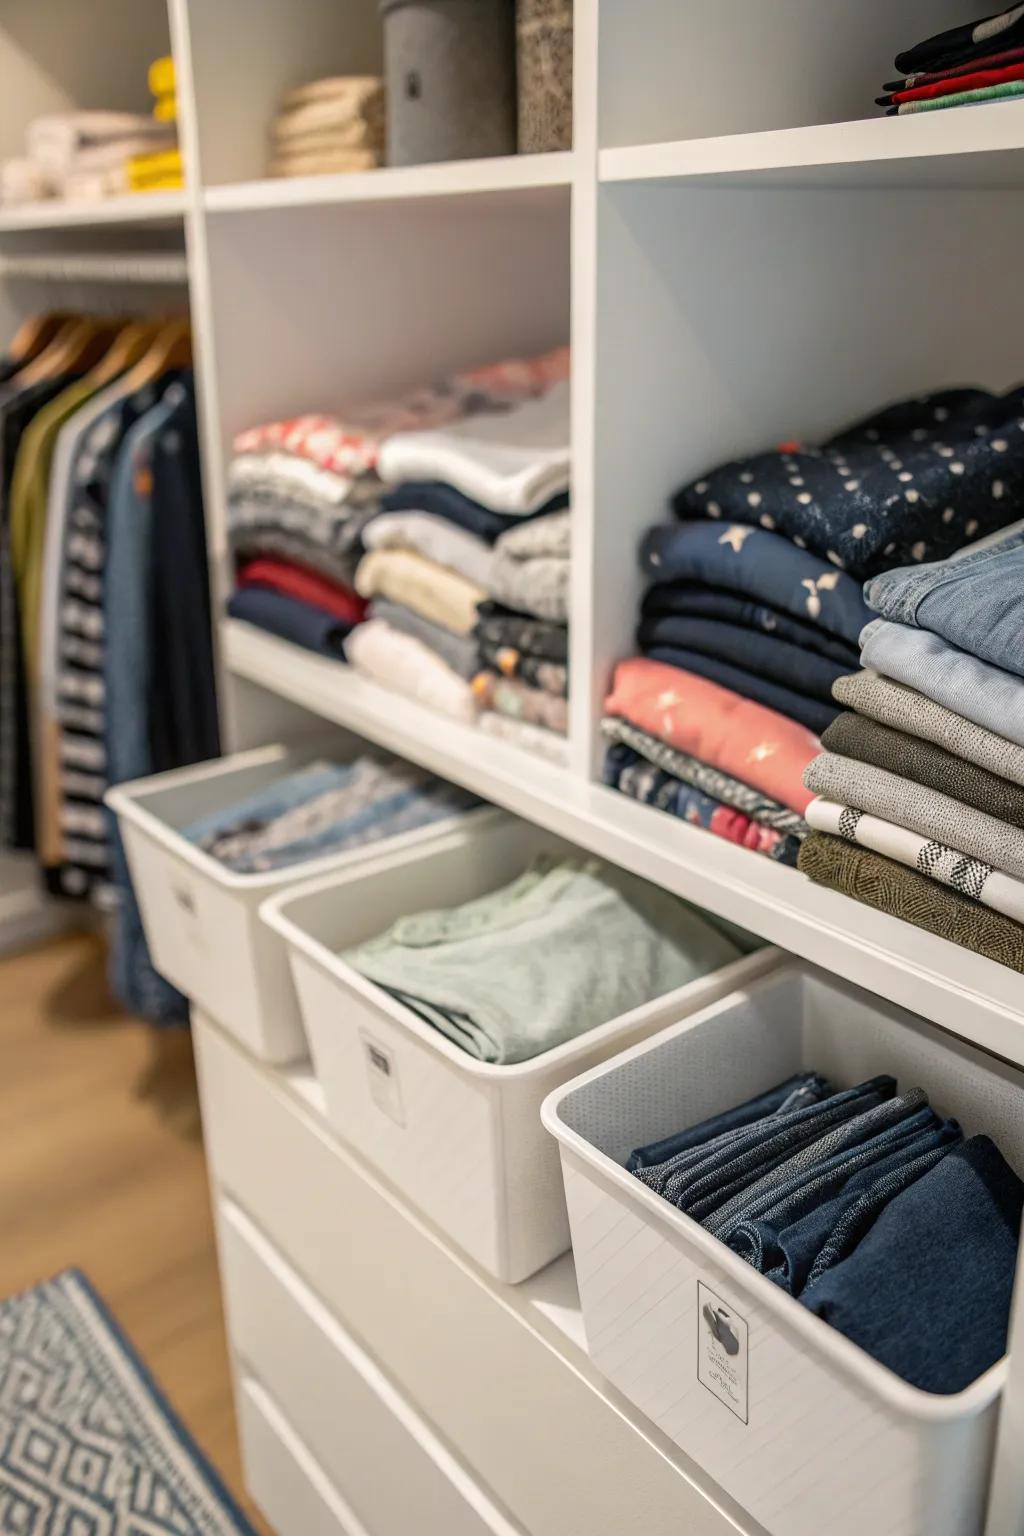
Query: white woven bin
{"points": [[201, 918], [819, 1437], [459, 1138]]}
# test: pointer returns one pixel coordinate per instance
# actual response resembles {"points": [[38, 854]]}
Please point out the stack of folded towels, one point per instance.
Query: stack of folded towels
{"points": [[83, 156], [315, 531], [325, 808], [575, 943], [920, 808], [965, 66], [160, 169], [474, 516], [755, 609], [858, 1202], [329, 125]]}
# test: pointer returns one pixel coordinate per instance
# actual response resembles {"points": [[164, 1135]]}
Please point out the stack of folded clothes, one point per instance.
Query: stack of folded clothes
{"points": [[921, 786], [329, 125], [758, 588], [302, 493], [522, 691], [160, 169], [473, 509], [575, 943], [83, 156], [858, 1203], [967, 65], [325, 808]]}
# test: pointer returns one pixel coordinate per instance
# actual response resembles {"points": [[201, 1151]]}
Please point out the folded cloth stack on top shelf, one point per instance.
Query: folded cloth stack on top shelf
{"points": [[965, 66], [160, 169], [329, 125], [866, 1207], [301, 493], [762, 596], [84, 156], [575, 942], [325, 808], [921, 786], [442, 548]]}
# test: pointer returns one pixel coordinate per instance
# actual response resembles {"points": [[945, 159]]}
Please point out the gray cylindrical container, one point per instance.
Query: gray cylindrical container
{"points": [[450, 70], [544, 45]]}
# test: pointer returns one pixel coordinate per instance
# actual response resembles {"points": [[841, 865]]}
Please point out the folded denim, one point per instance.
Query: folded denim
{"points": [[302, 624], [784, 1244], [975, 601], [971, 877], [794, 1093], [795, 706], [631, 774], [900, 892], [927, 1288], [887, 1121], [759, 565], [933, 815], [962, 683], [700, 1180], [916, 481], [867, 741], [690, 599], [710, 781], [265, 805], [894, 704], [766, 656], [459, 651], [446, 501]]}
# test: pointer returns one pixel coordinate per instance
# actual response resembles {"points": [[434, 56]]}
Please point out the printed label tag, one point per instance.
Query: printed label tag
{"points": [[721, 1351], [382, 1074]]}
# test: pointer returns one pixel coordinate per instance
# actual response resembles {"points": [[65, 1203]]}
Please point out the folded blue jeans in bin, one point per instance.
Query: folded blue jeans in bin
{"points": [[795, 1093], [699, 1180], [843, 1144], [784, 1241], [927, 1289]]}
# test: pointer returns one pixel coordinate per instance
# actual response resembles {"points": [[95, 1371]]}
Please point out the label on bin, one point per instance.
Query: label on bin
{"points": [[382, 1074], [721, 1351]]}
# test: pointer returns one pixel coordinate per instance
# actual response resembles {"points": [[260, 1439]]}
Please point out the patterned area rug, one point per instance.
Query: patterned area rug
{"points": [[88, 1446]]}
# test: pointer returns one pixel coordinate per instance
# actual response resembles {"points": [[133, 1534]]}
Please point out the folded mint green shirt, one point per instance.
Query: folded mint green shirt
{"points": [[567, 946]]}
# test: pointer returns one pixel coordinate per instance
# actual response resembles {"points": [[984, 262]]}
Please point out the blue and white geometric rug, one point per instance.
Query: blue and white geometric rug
{"points": [[88, 1445]]}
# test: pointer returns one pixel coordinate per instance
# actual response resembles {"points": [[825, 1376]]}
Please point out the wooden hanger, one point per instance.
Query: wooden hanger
{"points": [[130, 344], [171, 348], [33, 334], [77, 347]]}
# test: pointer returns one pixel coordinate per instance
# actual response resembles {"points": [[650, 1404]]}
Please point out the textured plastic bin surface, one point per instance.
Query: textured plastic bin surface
{"points": [[460, 1138], [544, 74], [450, 74], [816, 1435], [200, 918]]}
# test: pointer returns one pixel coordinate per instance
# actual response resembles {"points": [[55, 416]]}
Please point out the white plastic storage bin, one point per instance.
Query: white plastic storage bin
{"points": [[815, 1436], [201, 919], [460, 1138]]}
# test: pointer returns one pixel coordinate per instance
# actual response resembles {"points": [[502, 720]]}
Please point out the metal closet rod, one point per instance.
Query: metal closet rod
{"points": [[101, 267]]}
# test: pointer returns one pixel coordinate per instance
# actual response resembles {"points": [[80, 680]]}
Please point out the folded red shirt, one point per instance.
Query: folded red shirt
{"points": [[979, 80], [305, 586]]}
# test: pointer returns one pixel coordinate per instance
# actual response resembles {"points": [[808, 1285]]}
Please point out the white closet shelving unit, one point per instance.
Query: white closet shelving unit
{"points": [[741, 251]]}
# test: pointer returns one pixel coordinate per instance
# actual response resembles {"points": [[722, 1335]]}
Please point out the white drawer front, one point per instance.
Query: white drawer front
{"points": [[386, 1462], [281, 1475]]}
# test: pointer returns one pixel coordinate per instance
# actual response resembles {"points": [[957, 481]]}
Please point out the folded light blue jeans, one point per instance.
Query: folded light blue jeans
{"points": [[973, 689], [796, 1092]]}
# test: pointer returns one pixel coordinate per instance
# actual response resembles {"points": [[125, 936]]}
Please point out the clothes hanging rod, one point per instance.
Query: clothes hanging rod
{"points": [[101, 267]]}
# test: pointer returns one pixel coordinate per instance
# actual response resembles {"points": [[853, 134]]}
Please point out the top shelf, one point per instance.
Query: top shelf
{"points": [[134, 209], [969, 147], [496, 177]]}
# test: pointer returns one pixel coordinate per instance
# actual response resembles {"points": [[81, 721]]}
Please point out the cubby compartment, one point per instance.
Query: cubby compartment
{"points": [[805, 1430]]}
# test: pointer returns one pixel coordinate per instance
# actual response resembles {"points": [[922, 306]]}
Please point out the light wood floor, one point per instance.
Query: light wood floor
{"points": [[102, 1169]]}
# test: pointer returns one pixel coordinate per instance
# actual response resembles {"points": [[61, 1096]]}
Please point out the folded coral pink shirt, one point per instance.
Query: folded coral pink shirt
{"points": [[762, 748]]}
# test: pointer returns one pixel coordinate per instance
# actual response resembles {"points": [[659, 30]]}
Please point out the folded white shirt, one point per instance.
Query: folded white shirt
{"points": [[513, 461], [405, 664], [436, 539]]}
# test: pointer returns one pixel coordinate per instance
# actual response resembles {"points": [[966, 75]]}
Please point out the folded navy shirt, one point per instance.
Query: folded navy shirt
{"points": [[767, 656], [927, 1289], [690, 600], [445, 501], [958, 45], [914, 482], [764, 566], [812, 713], [312, 628]]}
